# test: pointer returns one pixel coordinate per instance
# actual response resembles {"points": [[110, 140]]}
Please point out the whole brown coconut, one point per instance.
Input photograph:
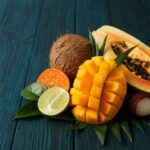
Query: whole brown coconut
{"points": [[69, 52]]}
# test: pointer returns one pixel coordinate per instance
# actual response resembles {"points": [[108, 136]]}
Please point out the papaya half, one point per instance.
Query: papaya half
{"points": [[136, 66]]}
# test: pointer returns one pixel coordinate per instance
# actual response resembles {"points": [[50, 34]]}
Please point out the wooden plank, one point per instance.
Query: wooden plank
{"points": [[15, 51], [134, 20], [145, 8], [41, 134], [91, 15], [128, 16], [4, 5]]}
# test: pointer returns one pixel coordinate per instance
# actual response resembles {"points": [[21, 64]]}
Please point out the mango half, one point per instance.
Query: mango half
{"points": [[98, 91]]}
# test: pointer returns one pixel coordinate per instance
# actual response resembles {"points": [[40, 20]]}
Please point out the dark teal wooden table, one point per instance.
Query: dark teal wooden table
{"points": [[27, 30]]}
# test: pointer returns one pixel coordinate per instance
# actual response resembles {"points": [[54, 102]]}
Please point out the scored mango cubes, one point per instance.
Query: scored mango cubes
{"points": [[98, 91]]}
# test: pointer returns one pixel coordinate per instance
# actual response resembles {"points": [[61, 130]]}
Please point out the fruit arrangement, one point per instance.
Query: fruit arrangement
{"points": [[104, 82]]}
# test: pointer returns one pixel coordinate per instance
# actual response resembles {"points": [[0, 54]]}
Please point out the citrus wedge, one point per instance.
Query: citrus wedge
{"points": [[53, 101]]}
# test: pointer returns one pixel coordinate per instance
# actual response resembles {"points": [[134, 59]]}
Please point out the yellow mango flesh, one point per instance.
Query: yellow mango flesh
{"points": [[90, 66], [92, 116], [98, 91], [83, 74], [117, 75], [111, 98], [79, 100], [80, 113], [103, 118], [93, 103], [115, 87], [97, 60], [82, 86], [108, 109]]}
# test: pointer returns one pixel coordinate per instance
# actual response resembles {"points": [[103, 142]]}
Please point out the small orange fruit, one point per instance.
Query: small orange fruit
{"points": [[53, 77]]}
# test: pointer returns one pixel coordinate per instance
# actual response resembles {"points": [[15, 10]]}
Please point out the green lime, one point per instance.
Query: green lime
{"points": [[53, 101]]}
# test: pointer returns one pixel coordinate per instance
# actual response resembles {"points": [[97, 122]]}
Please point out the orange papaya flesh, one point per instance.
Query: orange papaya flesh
{"points": [[137, 70], [104, 94]]}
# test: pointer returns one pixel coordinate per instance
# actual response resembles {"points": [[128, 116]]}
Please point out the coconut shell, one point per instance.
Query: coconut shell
{"points": [[69, 52]]}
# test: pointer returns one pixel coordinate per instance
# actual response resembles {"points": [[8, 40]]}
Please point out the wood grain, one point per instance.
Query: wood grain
{"points": [[42, 134], [27, 31]]}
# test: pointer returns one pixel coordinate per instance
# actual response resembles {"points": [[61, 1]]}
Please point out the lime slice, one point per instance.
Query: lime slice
{"points": [[53, 101]]}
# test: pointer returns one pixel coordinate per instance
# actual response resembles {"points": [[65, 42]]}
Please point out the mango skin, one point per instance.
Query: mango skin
{"points": [[98, 91]]}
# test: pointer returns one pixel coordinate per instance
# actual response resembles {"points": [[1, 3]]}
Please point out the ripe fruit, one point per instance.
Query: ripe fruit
{"points": [[137, 65], [53, 101], [54, 77], [68, 52], [140, 104], [98, 91]]}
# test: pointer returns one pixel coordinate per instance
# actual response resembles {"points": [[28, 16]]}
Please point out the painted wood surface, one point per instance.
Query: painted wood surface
{"points": [[27, 30]]}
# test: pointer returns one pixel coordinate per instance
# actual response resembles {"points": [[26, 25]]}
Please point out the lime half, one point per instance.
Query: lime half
{"points": [[53, 101]]}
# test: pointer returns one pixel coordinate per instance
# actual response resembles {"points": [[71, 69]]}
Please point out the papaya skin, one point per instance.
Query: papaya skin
{"points": [[115, 34]]}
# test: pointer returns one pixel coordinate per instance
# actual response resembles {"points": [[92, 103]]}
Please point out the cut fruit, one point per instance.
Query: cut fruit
{"points": [[82, 86], [99, 99], [137, 65], [108, 109], [79, 112], [92, 116], [117, 75], [103, 117], [53, 101], [97, 60], [112, 98], [115, 87], [94, 103], [79, 100], [54, 77], [90, 66]]}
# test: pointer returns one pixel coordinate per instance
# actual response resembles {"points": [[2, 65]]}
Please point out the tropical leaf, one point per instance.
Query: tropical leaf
{"points": [[147, 123], [29, 95], [101, 131], [123, 55], [115, 129], [27, 111], [36, 88], [33, 91], [137, 124], [126, 128], [78, 126], [102, 49], [94, 44]]}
